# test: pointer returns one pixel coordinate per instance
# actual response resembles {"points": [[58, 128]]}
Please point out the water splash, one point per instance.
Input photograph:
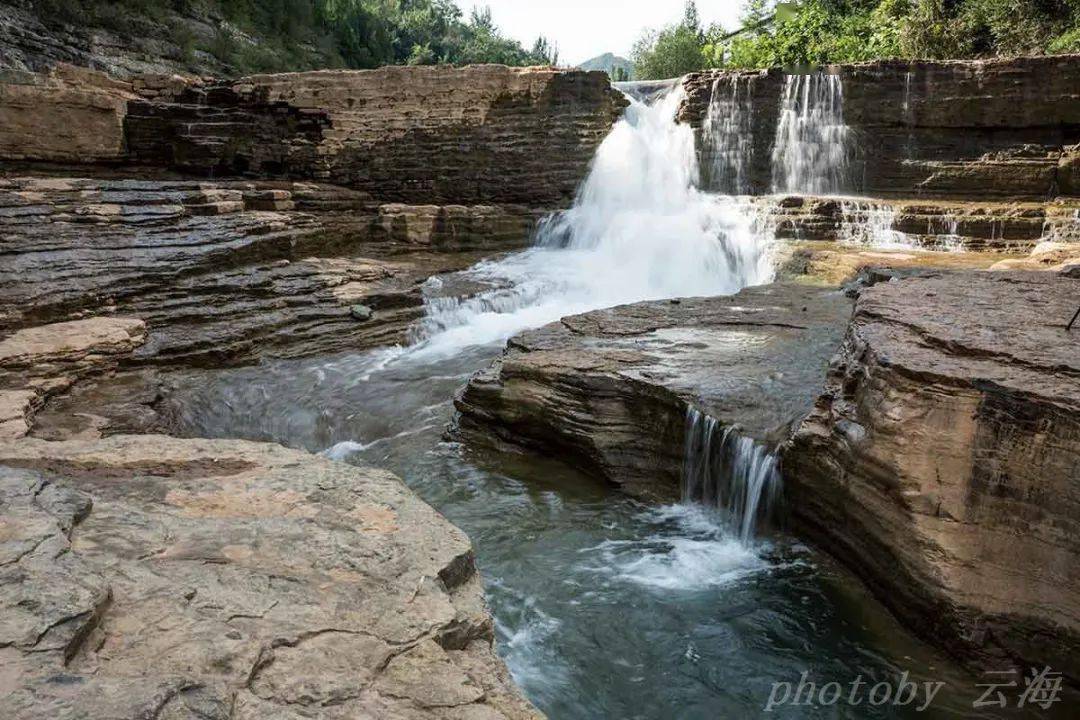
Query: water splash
{"points": [[640, 229], [728, 135], [811, 153], [726, 470]]}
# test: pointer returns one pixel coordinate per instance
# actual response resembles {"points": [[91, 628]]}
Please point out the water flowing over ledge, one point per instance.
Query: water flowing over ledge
{"points": [[813, 145], [640, 229], [730, 472]]}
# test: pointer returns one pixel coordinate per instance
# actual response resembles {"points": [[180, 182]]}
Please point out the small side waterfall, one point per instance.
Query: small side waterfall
{"points": [[865, 222], [728, 135], [811, 154], [728, 471]]}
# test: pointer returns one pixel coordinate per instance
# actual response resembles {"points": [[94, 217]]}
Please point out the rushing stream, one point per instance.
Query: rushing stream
{"points": [[605, 608]]}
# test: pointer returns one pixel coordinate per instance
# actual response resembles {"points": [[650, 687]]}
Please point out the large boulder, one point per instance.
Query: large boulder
{"points": [[942, 463], [609, 391], [154, 577]]}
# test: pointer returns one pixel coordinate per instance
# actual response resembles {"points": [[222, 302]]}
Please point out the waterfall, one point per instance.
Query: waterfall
{"points": [[865, 222], [728, 471], [639, 229], [728, 135], [812, 146]]}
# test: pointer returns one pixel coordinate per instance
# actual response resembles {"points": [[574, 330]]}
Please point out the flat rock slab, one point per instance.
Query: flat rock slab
{"points": [[943, 460], [145, 576], [609, 390]]}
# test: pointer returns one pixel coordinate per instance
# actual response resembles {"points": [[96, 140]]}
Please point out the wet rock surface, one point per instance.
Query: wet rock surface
{"points": [[608, 391], [39, 362], [149, 576], [941, 463]]}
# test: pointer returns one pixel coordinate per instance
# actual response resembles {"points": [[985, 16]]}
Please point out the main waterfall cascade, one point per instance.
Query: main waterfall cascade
{"points": [[640, 229], [730, 472]]}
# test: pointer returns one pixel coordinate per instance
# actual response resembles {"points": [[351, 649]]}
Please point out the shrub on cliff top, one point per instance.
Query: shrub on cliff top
{"points": [[810, 32]]}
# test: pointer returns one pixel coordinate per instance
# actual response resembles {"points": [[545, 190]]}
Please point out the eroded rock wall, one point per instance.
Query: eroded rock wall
{"points": [[942, 463], [226, 272], [968, 129], [68, 115], [479, 134]]}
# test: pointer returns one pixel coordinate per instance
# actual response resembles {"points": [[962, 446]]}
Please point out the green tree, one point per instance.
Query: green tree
{"points": [[672, 51]]}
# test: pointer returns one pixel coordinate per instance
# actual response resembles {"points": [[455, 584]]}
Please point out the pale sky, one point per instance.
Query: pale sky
{"points": [[586, 28]]}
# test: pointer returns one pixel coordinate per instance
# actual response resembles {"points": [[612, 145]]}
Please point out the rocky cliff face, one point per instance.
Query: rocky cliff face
{"points": [[154, 577], [67, 115], [411, 134], [942, 461], [95, 220], [430, 135], [972, 130]]}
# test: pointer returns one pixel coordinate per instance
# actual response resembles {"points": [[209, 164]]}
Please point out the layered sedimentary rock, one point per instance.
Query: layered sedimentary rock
{"points": [[933, 225], [230, 271], [478, 134], [608, 391], [943, 460], [424, 135], [154, 39], [154, 577], [973, 129], [66, 115]]}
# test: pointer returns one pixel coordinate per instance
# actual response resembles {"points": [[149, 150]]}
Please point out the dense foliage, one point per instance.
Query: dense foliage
{"points": [[811, 32], [265, 35]]}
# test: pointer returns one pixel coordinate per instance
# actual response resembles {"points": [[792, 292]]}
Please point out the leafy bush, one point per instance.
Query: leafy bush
{"points": [[812, 32]]}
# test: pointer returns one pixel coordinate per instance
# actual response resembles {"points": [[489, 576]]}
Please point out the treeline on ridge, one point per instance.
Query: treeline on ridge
{"points": [[278, 35]]}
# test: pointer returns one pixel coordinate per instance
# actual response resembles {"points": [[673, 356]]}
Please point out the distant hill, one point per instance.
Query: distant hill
{"points": [[608, 62]]}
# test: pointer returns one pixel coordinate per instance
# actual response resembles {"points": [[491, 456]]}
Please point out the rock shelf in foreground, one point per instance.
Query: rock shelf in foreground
{"points": [[145, 576]]}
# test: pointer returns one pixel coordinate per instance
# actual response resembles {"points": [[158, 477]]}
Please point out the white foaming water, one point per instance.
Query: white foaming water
{"points": [[640, 229], [811, 154], [732, 473], [689, 550], [866, 222]]}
